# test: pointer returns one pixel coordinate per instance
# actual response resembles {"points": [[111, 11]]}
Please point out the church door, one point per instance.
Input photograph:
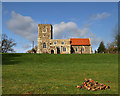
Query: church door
{"points": [[72, 50], [58, 50], [52, 51]]}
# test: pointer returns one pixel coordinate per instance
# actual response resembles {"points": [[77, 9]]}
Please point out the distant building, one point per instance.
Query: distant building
{"points": [[45, 43]]}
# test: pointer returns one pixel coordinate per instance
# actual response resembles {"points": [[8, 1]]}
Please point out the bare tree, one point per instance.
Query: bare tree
{"points": [[115, 44], [6, 44]]}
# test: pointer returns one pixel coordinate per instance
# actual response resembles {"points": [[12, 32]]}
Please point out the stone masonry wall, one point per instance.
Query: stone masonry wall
{"points": [[54, 43], [87, 49], [44, 36]]}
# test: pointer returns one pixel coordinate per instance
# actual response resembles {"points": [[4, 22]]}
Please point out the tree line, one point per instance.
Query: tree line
{"points": [[112, 47]]}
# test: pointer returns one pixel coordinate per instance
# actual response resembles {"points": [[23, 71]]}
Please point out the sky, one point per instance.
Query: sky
{"points": [[94, 20]]}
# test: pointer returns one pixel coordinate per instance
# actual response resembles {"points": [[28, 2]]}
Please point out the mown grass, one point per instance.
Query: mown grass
{"points": [[58, 74]]}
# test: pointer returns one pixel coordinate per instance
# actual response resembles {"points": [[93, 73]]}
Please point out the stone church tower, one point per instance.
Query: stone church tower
{"points": [[44, 37]]}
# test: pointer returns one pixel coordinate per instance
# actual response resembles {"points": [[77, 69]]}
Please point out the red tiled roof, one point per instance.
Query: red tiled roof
{"points": [[80, 41]]}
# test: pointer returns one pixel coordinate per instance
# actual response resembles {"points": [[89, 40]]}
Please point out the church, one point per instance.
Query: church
{"points": [[46, 43]]}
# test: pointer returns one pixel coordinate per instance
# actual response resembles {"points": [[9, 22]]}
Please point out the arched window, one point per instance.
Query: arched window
{"points": [[44, 45], [62, 42], [64, 48], [55, 42], [52, 51], [76, 49], [82, 49]]}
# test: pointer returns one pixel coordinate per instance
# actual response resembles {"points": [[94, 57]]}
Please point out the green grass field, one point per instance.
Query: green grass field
{"points": [[58, 74]]}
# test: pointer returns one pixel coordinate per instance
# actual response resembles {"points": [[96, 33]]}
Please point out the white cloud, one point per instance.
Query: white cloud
{"points": [[68, 30], [99, 16], [24, 26], [71, 30]]}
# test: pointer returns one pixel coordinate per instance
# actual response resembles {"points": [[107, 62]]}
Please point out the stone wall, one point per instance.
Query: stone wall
{"points": [[81, 49], [60, 43], [44, 36]]}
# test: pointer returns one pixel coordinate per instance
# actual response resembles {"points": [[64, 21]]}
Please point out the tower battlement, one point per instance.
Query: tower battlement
{"points": [[44, 25]]}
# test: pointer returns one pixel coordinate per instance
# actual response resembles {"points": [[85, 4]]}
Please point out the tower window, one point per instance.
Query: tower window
{"points": [[44, 29], [44, 45], [64, 48]]}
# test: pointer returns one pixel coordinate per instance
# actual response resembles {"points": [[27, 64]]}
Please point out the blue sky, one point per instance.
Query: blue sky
{"points": [[69, 20]]}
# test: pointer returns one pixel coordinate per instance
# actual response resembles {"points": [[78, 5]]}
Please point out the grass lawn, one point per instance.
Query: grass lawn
{"points": [[58, 74]]}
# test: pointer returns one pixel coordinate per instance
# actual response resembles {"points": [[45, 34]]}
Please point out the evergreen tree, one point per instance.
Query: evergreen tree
{"points": [[101, 48]]}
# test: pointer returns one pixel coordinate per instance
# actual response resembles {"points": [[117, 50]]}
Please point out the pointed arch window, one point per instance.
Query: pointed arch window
{"points": [[76, 49], [82, 49], [44, 45], [62, 42], [64, 48]]}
